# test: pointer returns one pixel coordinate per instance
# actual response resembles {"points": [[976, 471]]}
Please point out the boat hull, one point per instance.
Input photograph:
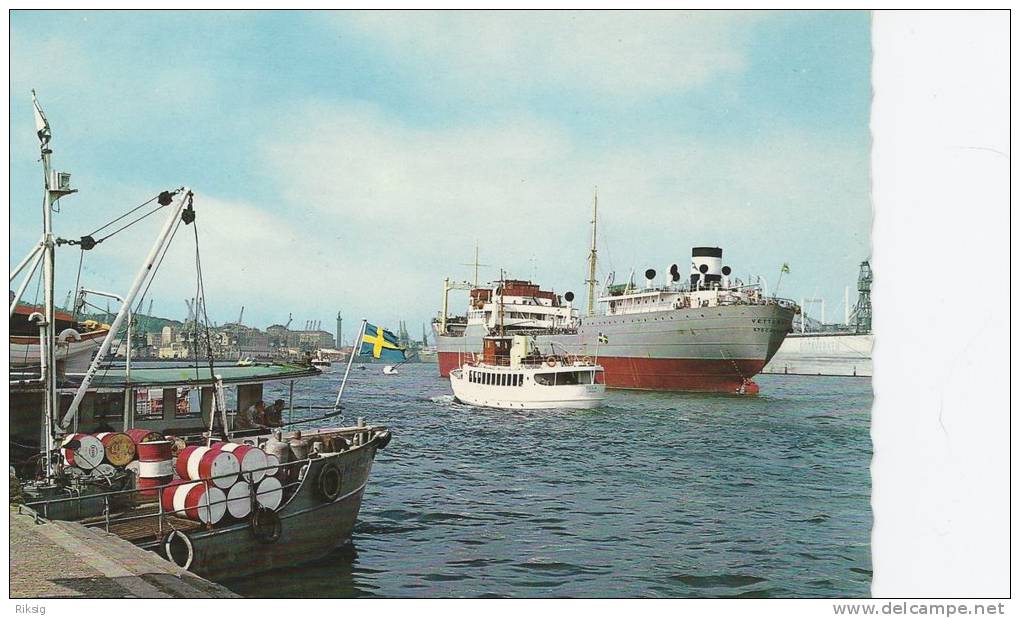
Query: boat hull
{"points": [[824, 354], [712, 349], [581, 397], [311, 527]]}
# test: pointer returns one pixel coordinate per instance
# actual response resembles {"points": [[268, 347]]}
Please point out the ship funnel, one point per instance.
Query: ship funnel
{"points": [[650, 277], [706, 266]]}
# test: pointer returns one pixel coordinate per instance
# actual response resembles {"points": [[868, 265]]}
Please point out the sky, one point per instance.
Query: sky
{"points": [[350, 161]]}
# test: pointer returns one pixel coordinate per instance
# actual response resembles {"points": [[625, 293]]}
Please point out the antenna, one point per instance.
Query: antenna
{"points": [[476, 264], [591, 256]]}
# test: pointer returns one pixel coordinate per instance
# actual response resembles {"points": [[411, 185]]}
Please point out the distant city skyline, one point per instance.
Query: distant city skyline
{"points": [[351, 160]]}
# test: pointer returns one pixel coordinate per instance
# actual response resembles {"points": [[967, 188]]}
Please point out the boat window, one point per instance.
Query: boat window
{"points": [[585, 377], [149, 404], [188, 403], [545, 379], [104, 405], [567, 378]]}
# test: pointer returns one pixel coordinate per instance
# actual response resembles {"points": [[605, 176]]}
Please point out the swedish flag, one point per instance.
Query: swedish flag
{"points": [[381, 343]]}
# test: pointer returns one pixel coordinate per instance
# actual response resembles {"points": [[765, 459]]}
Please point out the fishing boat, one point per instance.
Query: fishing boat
{"points": [[225, 502], [511, 375], [321, 362]]}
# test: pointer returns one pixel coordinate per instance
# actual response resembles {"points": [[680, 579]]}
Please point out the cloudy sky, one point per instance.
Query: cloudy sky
{"points": [[351, 161]]}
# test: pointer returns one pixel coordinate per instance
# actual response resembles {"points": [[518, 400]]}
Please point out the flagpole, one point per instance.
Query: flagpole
{"points": [[350, 361]]}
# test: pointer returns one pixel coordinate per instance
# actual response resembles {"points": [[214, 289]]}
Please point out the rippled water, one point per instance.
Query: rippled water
{"points": [[655, 495]]}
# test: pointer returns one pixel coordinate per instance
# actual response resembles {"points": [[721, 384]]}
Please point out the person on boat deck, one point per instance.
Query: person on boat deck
{"points": [[252, 417], [274, 413]]}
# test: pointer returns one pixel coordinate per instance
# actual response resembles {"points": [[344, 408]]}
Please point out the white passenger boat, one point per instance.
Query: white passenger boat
{"points": [[510, 376]]}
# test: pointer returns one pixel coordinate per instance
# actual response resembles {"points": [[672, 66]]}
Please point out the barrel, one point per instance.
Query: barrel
{"points": [[202, 462], [273, 463], [120, 448], [196, 500], [269, 493], [144, 435], [155, 466], [87, 456], [253, 459], [238, 500]]}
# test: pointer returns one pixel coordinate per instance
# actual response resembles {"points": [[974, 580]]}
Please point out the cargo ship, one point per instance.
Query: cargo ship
{"points": [[816, 348], [710, 333]]}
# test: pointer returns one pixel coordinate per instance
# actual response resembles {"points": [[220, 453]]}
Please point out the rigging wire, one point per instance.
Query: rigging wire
{"points": [[142, 205]]}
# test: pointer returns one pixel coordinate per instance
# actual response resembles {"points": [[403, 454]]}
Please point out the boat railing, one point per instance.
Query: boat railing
{"points": [[146, 495]]}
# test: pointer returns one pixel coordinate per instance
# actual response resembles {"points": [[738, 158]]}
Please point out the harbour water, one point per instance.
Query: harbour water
{"points": [[655, 495]]}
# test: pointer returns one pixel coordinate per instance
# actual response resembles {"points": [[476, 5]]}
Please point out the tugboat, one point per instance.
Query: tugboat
{"points": [[510, 375], [226, 503]]}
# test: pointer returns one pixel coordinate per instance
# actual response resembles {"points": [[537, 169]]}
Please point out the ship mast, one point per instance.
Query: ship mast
{"points": [[55, 186], [591, 256]]}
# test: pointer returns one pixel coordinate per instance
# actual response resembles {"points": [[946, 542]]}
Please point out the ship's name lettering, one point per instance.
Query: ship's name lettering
{"points": [[766, 321]]}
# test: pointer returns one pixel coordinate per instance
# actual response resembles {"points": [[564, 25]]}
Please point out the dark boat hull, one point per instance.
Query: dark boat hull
{"points": [[311, 526]]}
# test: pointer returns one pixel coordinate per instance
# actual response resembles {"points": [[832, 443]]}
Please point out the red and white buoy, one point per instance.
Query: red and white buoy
{"points": [[253, 459], [87, 456], [239, 500], [120, 448], [198, 501], [269, 493], [155, 466], [204, 463], [144, 435]]}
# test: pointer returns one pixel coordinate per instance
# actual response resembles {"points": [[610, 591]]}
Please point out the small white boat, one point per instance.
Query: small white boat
{"points": [[510, 377], [245, 362], [322, 363], [390, 370]]}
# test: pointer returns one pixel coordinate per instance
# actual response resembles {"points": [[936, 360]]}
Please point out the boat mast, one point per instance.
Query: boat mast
{"points": [[51, 192], [591, 256]]}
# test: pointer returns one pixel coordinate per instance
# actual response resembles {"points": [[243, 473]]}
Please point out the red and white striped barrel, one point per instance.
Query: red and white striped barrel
{"points": [[144, 435], [204, 463], [197, 500], [155, 466], [120, 448], [252, 458], [88, 455], [273, 463], [269, 493], [238, 500]]}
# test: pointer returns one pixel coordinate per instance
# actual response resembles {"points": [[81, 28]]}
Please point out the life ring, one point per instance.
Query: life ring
{"points": [[266, 525], [586, 360], [172, 550], [551, 361], [329, 482]]}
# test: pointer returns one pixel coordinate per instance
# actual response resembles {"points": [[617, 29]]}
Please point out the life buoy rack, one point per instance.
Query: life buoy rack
{"points": [[265, 525], [172, 550], [329, 482]]}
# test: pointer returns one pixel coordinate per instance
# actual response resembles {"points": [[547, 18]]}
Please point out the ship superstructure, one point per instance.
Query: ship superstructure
{"points": [[711, 332]]}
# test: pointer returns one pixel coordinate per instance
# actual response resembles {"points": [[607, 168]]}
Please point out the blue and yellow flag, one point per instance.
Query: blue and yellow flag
{"points": [[381, 343]]}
